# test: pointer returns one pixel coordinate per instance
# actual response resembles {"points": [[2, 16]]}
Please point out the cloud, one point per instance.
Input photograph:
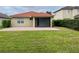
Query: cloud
{"points": [[18, 9]]}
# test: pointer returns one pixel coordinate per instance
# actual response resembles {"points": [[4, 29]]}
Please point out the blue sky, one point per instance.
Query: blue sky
{"points": [[19, 9]]}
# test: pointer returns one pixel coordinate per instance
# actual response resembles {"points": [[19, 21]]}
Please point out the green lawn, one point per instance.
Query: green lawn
{"points": [[64, 40]]}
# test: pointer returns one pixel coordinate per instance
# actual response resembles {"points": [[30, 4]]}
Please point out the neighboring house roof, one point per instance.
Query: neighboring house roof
{"points": [[32, 14], [68, 8], [3, 15]]}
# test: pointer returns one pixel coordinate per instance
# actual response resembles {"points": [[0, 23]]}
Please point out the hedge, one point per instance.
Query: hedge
{"points": [[73, 24], [6, 23]]}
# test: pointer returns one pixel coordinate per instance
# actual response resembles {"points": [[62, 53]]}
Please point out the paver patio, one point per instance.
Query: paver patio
{"points": [[28, 28]]}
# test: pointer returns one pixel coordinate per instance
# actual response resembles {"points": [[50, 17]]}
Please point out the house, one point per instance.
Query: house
{"points": [[3, 17], [67, 12], [32, 19]]}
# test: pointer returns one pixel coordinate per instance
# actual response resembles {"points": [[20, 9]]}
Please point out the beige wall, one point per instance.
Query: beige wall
{"points": [[75, 12], [27, 22], [59, 15], [66, 14]]}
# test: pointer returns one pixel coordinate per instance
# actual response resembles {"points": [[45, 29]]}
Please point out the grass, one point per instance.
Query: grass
{"points": [[64, 40]]}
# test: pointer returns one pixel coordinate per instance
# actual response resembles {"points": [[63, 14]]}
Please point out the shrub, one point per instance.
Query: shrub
{"points": [[6, 23], [76, 17], [74, 24]]}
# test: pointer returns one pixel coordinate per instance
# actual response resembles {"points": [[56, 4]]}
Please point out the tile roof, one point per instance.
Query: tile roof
{"points": [[32, 14]]}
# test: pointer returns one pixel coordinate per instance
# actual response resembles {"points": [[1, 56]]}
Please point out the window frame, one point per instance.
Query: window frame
{"points": [[20, 21]]}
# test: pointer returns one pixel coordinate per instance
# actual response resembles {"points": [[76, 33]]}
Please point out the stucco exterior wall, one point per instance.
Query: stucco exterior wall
{"points": [[59, 15], [27, 22], [75, 12], [66, 14]]}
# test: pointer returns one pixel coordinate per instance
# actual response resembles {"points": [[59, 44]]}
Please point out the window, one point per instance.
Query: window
{"points": [[20, 21]]}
